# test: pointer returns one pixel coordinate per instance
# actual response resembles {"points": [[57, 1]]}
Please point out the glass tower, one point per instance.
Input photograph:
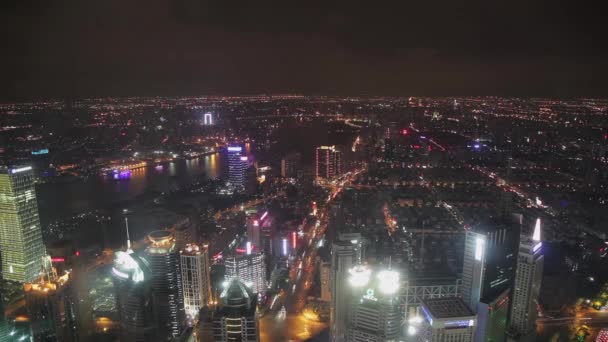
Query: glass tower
{"points": [[21, 247]]}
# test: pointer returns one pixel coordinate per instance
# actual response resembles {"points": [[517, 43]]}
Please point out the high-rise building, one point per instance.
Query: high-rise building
{"points": [[134, 301], [253, 231], [196, 280], [22, 251], [249, 268], [328, 162], [344, 255], [375, 313], [235, 318], [290, 165], [489, 262], [237, 164], [528, 277], [492, 317], [163, 259], [50, 307], [447, 320], [325, 281]]}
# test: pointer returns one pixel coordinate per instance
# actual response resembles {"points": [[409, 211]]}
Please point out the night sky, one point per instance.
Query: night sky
{"points": [[75, 48]]}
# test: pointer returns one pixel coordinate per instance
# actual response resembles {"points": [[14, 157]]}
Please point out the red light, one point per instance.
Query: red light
{"points": [[57, 259], [404, 132], [416, 147], [241, 250], [77, 253], [294, 240]]}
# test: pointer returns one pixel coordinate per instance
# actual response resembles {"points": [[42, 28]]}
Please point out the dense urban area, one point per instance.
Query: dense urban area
{"points": [[304, 218]]}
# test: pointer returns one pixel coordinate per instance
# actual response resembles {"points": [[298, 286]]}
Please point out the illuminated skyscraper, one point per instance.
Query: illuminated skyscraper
{"points": [[21, 246], [235, 318], [528, 277], [328, 162], [488, 268], [237, 164], [163, 258], [447, 320], [375, 314], [195, 278], [134, 301], [249, 268], [492, 318], [344, 255]]}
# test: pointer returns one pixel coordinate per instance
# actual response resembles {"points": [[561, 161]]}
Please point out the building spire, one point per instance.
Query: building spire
{"points": [[536, 235]]}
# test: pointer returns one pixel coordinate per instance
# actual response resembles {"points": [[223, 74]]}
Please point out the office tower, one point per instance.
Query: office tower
{"points": [[344, 255], [4, 326], [489, 261], [253, 231], [325, 281], [21, 249], [249, 268], [328, 162], [492, 318], [50, 307], [196, 280], [290, 164], [375, 313], [447, 320], [528, 277], [163, 259], [134, 301], [237, 163], [235, 318], [250, 180]]}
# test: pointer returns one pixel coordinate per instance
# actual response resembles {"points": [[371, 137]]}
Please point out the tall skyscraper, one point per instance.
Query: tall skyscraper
{"points": [[237, 164], [344, 255], [375, 313], [447, 320], [235, 318], [196, 279], [50, 306], [328, 162], [528, 277], [249, 268], [21, 248], [489, 262], [163, 259], [134, 301]]}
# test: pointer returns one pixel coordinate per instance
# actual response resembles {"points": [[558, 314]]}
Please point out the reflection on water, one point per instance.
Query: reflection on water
{"points": [[59, 199]]}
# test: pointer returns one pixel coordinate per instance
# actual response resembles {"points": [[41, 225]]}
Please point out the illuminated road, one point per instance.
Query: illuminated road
{"points": [[295, 326]]}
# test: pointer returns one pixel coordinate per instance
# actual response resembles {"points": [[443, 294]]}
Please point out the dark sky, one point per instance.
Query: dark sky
{"points": [[73, 48]]}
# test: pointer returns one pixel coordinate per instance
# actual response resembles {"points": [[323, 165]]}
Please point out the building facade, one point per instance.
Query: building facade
{"points": [[163, 260], [249, 268], [447, 320], [344, 255], [196, 280], [375, 310], [489, 262], [21, 247], [134, 301], [528, 277], [328, 162], [235, 318], [237, 164]]}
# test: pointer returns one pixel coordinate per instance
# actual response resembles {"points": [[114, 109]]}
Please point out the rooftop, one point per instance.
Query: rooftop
{"points": [[447, 307]]}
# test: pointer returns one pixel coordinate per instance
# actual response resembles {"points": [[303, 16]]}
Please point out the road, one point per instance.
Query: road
{"points": [[294, 325]]}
